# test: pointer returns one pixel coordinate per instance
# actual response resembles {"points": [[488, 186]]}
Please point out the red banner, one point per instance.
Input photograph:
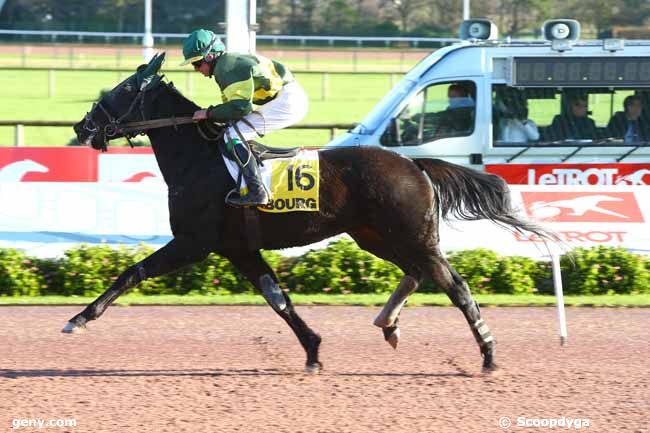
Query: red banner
{"points": [[76, 164], [48, 164], [572, 174], [582, 206]]}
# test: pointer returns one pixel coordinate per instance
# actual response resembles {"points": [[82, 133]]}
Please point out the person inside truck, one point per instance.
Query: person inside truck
{"points": [[430, 116], [628, 124], [511, 118], [574, 123], [458, 118]]}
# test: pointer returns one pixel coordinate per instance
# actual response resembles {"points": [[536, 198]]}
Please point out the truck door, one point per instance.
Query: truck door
{"points": [[440, 118]]}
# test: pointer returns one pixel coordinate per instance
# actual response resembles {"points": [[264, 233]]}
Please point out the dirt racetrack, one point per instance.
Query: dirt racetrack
{"points": [[240, 369]]}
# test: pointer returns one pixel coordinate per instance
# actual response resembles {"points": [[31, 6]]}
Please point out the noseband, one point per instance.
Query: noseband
{"points": [[114, 127]]}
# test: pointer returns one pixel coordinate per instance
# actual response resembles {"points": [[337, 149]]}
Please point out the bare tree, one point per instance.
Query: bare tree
{"points": [[406, 9]]}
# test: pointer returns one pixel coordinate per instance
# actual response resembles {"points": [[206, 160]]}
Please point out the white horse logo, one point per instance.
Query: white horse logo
{"points": [[579, 206], [15, 171], [635, 178]]}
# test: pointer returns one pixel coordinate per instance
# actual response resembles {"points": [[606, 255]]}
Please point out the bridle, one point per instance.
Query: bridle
{"points": [[128, 130], [114, 127]]}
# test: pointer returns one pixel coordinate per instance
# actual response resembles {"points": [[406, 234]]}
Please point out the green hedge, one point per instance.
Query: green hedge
{"points": [[340, 268]]}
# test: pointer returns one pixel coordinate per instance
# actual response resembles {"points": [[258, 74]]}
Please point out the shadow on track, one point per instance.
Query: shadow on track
{"points": [[15, 374]]}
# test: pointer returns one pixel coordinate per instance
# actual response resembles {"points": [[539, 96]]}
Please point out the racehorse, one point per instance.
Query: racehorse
{"points": [[390, 205]]}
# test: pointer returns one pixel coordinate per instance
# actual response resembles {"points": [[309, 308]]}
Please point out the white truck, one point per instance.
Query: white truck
{"points": [[579, 108]]}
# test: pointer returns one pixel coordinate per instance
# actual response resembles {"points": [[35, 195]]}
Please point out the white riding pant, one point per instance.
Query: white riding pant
{"points": [[288, 108]]}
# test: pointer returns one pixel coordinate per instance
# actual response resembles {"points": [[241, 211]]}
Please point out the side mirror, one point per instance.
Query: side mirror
{"points": [[392, 136]]}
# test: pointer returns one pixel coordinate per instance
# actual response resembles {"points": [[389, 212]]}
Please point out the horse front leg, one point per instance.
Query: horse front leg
{"points": [[260, 274], [173, 256]]}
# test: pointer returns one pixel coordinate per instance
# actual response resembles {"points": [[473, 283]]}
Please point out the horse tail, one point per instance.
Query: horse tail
{"points": [[472, 195]]}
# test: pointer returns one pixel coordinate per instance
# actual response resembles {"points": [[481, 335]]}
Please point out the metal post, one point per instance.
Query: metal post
{"points": [[19, 135], [324, 85], [147, 40], [252, 26], [466, 9], [50, 83], [559, 294], [240, 25]]}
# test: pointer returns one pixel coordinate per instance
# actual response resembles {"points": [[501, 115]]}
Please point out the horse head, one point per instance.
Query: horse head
{"points": [[124, 103]]}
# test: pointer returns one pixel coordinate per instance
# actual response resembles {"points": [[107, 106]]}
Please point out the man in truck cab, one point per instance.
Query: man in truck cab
{"points": [[629, 124], [574, 123]]}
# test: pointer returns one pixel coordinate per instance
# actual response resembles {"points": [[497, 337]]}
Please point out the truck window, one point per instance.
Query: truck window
{"points": [[441, 110], [571, 116]]}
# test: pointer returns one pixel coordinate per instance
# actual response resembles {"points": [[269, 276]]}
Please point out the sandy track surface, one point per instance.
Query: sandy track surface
{"points": [[239, 369]]}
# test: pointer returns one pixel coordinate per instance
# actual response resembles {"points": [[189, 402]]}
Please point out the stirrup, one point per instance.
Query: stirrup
{"points": [[233, 199]]}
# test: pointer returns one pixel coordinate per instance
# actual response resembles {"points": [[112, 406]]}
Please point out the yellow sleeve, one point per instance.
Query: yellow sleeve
{"points": [[239, 90]]}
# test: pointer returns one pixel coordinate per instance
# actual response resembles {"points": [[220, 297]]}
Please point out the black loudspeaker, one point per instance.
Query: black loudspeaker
{"points": [[561, 30], [478, 29]]}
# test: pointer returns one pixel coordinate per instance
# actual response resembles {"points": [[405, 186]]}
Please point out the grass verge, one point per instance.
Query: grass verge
{"points": [[418, 299]]}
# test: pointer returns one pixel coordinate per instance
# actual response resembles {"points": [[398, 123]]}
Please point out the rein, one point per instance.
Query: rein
{"points": [[115, 127], [131, 127]]}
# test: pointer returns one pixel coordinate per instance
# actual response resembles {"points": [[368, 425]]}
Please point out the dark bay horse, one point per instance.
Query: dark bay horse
{"points": [[388, 204]]}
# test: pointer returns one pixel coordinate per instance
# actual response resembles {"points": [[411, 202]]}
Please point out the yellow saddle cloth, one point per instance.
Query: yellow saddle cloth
{"points": [[292, 182]]}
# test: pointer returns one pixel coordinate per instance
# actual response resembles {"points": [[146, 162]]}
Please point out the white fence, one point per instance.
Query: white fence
{"points": [[55, 35]]}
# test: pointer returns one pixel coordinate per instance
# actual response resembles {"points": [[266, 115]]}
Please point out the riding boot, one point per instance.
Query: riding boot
{"points": [[256, 194]]}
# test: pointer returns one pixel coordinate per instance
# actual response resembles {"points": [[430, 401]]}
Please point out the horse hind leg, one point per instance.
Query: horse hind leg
{"points": [[388, 317], [446, 277], [373, 241]]}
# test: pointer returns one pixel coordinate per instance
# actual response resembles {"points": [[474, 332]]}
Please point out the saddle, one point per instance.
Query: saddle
{"points": [[264, 152], [215, 131]]}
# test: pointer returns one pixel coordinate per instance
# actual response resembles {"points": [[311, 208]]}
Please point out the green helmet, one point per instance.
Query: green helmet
{"points": [[200, 43]]}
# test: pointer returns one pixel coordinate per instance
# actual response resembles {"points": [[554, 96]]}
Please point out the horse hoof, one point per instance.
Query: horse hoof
{"points": [[71, 328], [488, 369], [488, 364], [313, 368], [391, 335]]}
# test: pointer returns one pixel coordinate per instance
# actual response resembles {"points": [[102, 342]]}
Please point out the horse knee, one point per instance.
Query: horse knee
{"points": [[272, 293]]}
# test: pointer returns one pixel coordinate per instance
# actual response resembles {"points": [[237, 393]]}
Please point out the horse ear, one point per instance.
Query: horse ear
{"points": [[154, 65], [148, 74]]}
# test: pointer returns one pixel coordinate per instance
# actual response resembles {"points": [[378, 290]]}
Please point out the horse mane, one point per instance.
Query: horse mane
{"points": [[187, 106]]}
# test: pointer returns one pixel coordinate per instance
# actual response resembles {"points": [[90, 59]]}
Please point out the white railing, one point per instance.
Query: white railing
{"points": [[19, 127], [275, 39]]}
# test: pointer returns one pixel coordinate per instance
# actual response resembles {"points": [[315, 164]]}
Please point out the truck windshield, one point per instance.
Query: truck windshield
{"points": [[570, 116], [384, 107]]}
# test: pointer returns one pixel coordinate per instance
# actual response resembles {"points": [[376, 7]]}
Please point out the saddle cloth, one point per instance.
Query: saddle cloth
{"points": [[293, 183]]}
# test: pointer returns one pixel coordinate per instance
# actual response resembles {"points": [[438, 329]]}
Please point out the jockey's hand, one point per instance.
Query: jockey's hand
{"points": [[200, 115]]}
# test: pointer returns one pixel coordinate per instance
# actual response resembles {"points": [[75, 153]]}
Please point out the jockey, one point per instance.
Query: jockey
{"points": [[258, 95]]}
